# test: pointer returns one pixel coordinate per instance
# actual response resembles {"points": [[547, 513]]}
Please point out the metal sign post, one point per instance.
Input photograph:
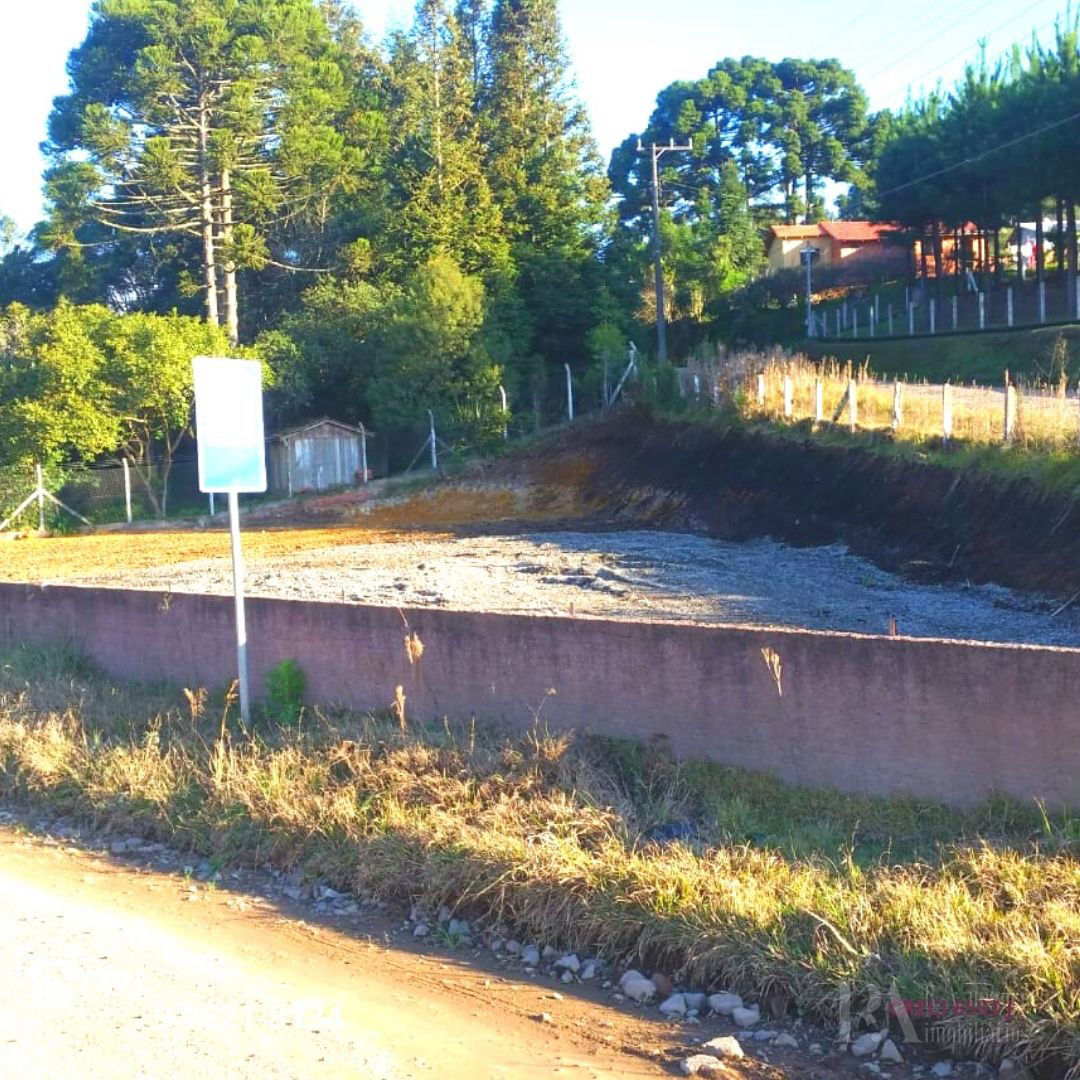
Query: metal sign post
{"points": [[232, 460]]}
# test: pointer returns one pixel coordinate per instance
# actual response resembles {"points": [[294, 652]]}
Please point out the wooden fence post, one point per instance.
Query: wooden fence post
{"points": [[1042, 302], [40, 498], [853, 405], [897, 405], [761, 390], [911, 320], [890, 320], [954, 313], [1076, 299], [837, 322], [854, 322], [933, 315], [946, 412], [819, 401], [873, 322], [982, 310], [789, 397], [877, 307], [1009, 307], [1010, 412]]}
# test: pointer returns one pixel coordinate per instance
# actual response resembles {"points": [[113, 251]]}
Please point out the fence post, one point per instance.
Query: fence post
{"points": [[789, 397], [946, 412], [837, 322], [127, 489], [982, 310], [844, 309], [853, 404], [933, 315], [877, 307], [890, 320], [819, 401], [955, 320], [873, 322], [1010, 412], [761, 390], [40, 498], [854, 322], [911, 320], [569, 393], [434, 443], [363, 454], [1076, 299], [1009, 307], [897, 405], [1042, 302]]}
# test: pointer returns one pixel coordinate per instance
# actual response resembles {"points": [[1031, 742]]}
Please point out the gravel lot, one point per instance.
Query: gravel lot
{"points": [[654, 575]]}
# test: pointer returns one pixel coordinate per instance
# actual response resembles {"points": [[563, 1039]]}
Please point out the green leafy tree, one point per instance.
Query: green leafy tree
{"points": [[209, 119]]}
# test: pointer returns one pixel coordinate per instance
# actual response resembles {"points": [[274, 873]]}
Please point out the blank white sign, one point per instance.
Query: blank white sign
{"points": [[229, 424]]}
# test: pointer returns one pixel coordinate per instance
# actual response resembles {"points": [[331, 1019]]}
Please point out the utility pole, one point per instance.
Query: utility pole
{"points": [[658, 151], [809, 253]]}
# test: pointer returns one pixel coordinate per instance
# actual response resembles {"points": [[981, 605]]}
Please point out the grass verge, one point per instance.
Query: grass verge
{"points": [[783, 894]]}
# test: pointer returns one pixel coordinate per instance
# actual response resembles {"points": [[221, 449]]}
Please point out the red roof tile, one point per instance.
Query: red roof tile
{"points": [[855, 232]]}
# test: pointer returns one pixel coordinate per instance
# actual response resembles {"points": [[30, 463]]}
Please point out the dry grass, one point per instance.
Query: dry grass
{"points": [[1046, 419], [783, 892]]}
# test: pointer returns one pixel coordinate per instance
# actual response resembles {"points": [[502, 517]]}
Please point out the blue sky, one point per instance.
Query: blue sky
{"points": [[624, 52]]}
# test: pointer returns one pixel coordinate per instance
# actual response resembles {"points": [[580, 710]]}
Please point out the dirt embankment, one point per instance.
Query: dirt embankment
{"points": [[924, 520]]}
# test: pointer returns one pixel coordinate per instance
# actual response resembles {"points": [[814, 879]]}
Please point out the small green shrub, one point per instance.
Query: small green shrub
{"points": [[285, 688]]}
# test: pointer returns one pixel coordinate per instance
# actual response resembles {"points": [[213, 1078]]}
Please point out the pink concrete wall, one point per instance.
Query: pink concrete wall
{"points": [[952, 721]]}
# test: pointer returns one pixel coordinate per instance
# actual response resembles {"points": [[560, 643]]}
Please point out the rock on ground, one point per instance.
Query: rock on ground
{"points": [[674, 1006], [867, 1044], [702, 1065], [890, 1052], [726, 1046], [746, 1017], [724, 1003], [636, 987]]}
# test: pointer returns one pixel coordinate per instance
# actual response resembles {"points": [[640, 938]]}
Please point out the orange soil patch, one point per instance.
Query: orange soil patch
{"points": [[429, 515]]}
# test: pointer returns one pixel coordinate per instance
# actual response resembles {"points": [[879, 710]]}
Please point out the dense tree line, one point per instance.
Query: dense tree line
{"points": [[1000, 148], [394, 229]]}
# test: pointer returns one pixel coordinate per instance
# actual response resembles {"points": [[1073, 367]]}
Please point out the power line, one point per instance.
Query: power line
{"points": [[847, 28], [986, 37], [985, 154]]}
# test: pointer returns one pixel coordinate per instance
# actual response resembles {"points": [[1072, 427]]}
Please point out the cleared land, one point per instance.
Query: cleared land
{"points": [[633, 574]]}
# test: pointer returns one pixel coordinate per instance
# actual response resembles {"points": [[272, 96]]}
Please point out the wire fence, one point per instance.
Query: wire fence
{"points": [[98, 494], [782, 388]]}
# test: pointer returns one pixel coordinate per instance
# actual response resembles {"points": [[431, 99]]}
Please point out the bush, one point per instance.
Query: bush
{"points": [[285, 688]]}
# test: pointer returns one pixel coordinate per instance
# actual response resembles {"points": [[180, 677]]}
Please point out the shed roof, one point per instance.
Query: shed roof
{"points": [[326, 421], [794, 232]]}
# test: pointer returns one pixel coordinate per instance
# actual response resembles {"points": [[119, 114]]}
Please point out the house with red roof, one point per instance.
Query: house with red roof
{"points": [[838, 243]]}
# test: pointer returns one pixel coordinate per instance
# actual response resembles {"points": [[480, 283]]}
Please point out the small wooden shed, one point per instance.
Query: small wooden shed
{"points": [[321, 455]]}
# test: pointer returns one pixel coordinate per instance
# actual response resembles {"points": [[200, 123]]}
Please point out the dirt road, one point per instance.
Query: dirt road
{"points": [[110, 970]]}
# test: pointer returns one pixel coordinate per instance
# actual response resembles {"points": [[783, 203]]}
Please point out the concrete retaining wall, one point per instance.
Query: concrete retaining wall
{"points": [[952, 721]]}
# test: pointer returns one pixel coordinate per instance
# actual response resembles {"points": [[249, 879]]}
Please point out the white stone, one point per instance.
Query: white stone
{"points": [[420, 930], [784, 1039], [459, 927], [942, 1068], [765, 1035], [567, 976], [1011, 1069], [891, 1052], [702, 1065], [694, 1001], [588, 970], [816, 1049], [674, 1006], [746, 1017], [866, 1044], [549, 953], [513, 947], [726, 1046], [569, 962], [530, 956], [725, 1004], [636, 987]]}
